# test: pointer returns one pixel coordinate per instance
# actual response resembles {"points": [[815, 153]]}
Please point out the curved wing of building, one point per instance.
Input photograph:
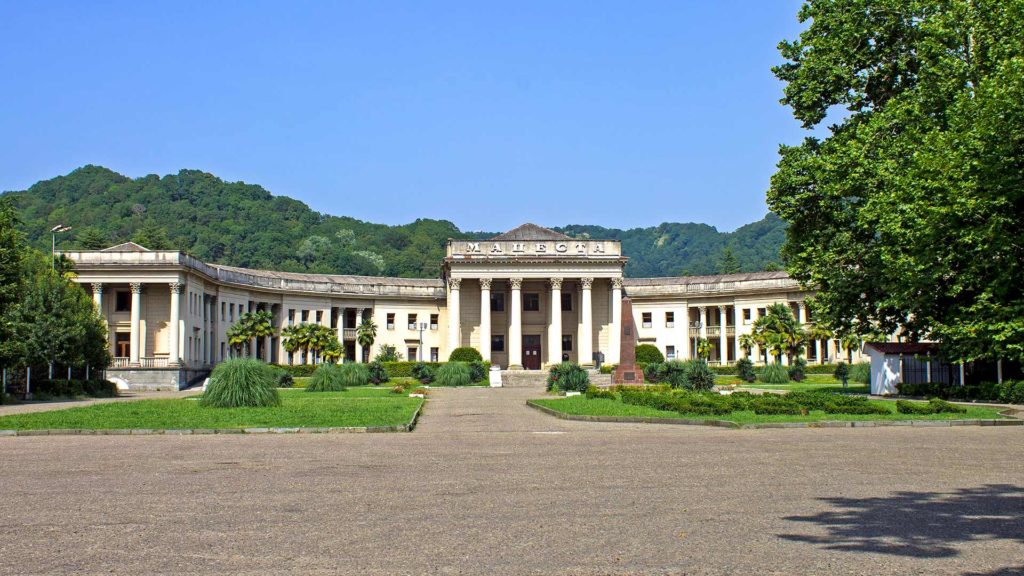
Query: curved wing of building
{"points": [[526, 299]]}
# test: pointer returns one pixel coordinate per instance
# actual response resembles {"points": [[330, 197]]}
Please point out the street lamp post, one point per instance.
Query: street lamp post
{"points": [[53, 243], [419, 351]]}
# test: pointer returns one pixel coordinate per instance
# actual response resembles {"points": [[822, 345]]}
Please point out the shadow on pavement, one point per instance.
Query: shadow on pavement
{"points": [[919, 524]]}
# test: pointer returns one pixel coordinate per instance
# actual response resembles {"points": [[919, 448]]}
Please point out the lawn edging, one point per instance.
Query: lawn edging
{"points": [[407, 427], [1013, 421]]}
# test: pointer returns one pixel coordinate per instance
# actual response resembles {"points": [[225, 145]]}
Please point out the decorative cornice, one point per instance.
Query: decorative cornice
{"points": [[485, 283], [136, 287]]}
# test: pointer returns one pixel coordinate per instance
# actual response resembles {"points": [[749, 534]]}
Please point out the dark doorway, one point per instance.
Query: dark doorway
{"points": [[122, 345], [531, 352]]}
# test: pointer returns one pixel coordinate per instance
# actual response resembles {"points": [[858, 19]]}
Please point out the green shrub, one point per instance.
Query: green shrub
{"points": [[774, 373], [298, 370], [745, 370], [768, 404], [648, 354], [424, 372], [405, 369], [698, 375], [241, 382], [654, 372], [608, 368], [387, 353], [327, 378], [378, 374], [865, 408], [675, 373], [933, 406], [354, 374], [725, 370], [841, 373], [940, 406], [797, 370], [478, 371], [100, 388], [926, 389], [861, 373], [1012, 392], [820, 369], [453, 374], [465, 354], [284, 379], [568, 377], [595, 392]]}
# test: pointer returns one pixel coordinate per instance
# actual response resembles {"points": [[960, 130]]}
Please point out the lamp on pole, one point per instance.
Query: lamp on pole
{"points": [[696, 332], [419, 351], [53, 243]]}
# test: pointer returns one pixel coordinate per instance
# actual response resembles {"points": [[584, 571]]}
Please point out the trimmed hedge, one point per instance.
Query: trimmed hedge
{"points": [[465, 354], [661, 397], [298, 370], [648, 354], [1009, 392], [933, 406], [72, 388], [595, 392]]}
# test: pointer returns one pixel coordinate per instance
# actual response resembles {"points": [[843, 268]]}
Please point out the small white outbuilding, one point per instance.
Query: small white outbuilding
{"points": [[887, 362]]}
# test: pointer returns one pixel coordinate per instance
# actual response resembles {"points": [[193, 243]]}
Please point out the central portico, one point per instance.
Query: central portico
{"points": [[533, 297]]}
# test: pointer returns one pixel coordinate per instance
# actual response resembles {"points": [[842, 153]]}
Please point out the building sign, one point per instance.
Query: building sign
{"points": [[534, 248]]}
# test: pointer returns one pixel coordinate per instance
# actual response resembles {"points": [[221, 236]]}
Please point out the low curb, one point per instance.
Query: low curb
{"points": [[408, 427], [766, 425]]}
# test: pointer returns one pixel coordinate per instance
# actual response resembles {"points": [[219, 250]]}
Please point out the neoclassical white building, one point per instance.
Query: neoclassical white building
{"points": [[525, 299]]}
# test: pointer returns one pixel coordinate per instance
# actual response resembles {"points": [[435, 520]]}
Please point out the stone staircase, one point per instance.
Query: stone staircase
{"points": [[539, 378]]}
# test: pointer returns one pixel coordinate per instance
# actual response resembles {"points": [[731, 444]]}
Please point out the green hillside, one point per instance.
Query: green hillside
{"points": [[245, 225]]}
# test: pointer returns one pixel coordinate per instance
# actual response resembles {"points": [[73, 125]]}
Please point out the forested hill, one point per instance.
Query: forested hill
{"points": [[243, 224]]}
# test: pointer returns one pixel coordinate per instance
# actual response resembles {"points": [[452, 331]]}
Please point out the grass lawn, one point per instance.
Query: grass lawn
{"points": [[353, 408], [581, 405]]}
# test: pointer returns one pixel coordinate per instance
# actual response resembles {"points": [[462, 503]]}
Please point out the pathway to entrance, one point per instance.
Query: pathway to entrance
{"points": [[486, 485]]}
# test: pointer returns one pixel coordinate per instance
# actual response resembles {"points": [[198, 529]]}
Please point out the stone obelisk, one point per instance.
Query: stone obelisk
{"points": [[626, 372]]}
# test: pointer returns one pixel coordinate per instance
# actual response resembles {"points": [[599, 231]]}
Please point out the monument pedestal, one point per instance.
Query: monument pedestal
{"points": [[627, 372]]}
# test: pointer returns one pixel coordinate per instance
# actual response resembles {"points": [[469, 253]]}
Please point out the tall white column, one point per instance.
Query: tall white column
{"points": [[515, 328], [586, 357], [454, 314], [136, 314], [801, 314], [555, 327], [174, 334], [97, 296], [485, 319], [723, 339], [703, 323], [685, 349], [615, 336]]}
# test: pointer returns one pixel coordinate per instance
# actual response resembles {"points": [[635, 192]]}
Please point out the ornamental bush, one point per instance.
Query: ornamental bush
{"points": [[768, 404], [1012, 392], [745, 370], [933, 406], [568, 377], [595, 392], [841, 373], [774, 373], [423, 372], [797, 370], [861, 373], [327, 378], [478, 371], [465, 354], [698, 375], [241, 382], [453, 374], [654, 372], [648, 354], [353, 374], [377, 373]]}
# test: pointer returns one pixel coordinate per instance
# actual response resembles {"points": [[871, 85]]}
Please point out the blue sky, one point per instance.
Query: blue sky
{"points": [[623, 114]]}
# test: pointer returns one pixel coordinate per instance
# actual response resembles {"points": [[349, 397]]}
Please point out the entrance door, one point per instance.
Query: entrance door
{"points": [[122, 345], [531, 352]]}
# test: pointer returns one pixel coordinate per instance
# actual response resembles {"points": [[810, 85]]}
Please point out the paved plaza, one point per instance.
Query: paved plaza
{"points": [[486, 485]]}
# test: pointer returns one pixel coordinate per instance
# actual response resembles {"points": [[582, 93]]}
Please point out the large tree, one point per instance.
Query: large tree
{"points": [[908, 214]]}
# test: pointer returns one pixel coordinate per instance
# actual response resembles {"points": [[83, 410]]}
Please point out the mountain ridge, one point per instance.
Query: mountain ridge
{"points": [[241, 224]]}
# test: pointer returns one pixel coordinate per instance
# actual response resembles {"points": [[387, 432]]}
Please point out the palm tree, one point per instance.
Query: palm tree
{"points": [[747, 343], [296, 338], [333, 351], [366, 334], [320, 339], [778, 331], [250, 325], [818, 332], [795, 343], [704, 349], [850, 342]]}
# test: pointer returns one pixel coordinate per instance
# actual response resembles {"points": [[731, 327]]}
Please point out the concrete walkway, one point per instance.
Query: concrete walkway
{"points": [[486, 485], [29, 407]]}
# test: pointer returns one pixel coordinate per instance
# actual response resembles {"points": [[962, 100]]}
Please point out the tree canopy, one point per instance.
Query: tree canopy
{"points": [[908, 214]]}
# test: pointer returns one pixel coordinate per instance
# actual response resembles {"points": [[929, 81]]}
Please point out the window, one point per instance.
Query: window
{"points": [[670, 352], [566, 301], [497, 301], [645, 319], [433, 354], [567, 343], [531, 302], [412, 322], [122, 302], [304, 316], [498, 343], [231, 312], [224, 309], [670, 319], [746, 315], [761, 312], [390, 324], [319, 317], [412, 353], [122, 344], [291, 316], [433, 321]]}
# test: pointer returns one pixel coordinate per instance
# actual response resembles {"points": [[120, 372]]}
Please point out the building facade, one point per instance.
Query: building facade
{"points": [[525, 299]]}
